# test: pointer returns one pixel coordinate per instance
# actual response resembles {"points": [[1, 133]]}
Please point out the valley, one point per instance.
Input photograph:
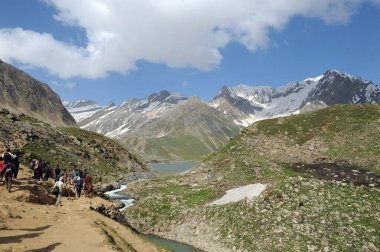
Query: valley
{"points": [[303, 176], [190, 126]]}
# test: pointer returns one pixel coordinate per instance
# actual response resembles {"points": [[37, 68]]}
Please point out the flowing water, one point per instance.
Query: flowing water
{"points": [[169, 167], [176, 246]]}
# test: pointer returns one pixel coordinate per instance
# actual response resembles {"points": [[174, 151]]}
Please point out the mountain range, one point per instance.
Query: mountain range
{"points": [[167, 125]]}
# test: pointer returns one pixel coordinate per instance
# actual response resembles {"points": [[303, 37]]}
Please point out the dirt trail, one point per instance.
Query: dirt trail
{"points": [[29, 222]]}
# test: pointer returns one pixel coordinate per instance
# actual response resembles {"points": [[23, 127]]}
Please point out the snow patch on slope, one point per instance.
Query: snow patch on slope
{"points": [[241, 193]]}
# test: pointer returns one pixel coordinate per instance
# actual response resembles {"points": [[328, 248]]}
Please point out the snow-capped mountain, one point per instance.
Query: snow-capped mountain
{"points": [[159, 127], [170, 126], [82, 109], [114, 121], [250, 104]]}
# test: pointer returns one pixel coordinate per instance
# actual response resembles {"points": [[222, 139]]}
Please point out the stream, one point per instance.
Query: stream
{"points": [[171, 167]]}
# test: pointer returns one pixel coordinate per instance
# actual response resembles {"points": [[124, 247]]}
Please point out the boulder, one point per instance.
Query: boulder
{"points": [[118, 204]]}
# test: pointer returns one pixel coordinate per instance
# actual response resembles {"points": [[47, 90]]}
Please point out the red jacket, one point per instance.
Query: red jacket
{"points": [[2, 166]]}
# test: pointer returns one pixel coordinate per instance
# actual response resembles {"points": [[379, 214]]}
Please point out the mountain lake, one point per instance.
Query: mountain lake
{"points": [[175, 167]]}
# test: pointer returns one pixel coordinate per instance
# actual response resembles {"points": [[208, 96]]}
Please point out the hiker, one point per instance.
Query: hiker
{"points": [[16, 166], [58, 192], [8, 176], [42, 169], [46, 171], [57, 173], [8, 156], [2, 168], [88, 187], [78, 186], [8, 168], [37, 170], [73, 176]]}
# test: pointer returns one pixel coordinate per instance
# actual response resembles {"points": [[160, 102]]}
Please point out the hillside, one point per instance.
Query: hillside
{"points": [[190, 130], [20, 93], [321, 171], [165, 126], [69, 147]]}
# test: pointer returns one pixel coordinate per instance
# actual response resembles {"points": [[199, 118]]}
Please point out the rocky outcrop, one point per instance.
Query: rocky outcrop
{"points": [[20, 93]]}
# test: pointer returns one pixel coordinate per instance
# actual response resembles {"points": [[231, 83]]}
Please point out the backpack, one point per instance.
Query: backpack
{"points": [[9, 170], [7, 158], [79, 183]]}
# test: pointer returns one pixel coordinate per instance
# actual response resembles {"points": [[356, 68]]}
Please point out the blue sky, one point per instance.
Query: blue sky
{"points": [[183, 53]]}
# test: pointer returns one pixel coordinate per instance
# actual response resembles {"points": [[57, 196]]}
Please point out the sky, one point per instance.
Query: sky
{"points": [[114, 50]]}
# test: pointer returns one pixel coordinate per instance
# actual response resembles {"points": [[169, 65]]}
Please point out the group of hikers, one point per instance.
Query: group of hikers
{"points": [[42, 171], [77, 178]]}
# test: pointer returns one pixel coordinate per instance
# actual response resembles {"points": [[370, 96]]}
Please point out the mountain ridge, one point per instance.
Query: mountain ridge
{"points": [[21, 93], [241, 105]]}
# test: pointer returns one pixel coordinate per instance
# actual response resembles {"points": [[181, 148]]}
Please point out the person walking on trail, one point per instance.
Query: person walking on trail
{"points": [[57, 173], [78, 186], [8, 168], [58, 193], [16, 166], [8, 156], [8, 176], [38, 170]]}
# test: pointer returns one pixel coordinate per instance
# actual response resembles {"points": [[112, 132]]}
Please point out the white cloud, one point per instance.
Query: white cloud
{"points": [[178, 33], [68, 85]]}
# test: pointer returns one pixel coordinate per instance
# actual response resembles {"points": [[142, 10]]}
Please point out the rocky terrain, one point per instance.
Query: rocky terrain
{"points": [[104, 158], [20, 93], [322, 173]]}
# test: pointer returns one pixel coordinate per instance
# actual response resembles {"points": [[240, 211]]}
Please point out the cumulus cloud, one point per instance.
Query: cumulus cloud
{"points": [[68, 85], [178, 33]]}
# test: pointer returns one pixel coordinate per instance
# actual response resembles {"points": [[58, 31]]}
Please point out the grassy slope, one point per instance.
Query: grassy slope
{"points": [[298, 211], [68, 147]]}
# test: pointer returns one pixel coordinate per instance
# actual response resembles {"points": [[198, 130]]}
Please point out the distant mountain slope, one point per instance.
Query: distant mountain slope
{"points": [[115, 121], [20, 93], [188, 131], [250, 104], [151, 126], [166, 125]]}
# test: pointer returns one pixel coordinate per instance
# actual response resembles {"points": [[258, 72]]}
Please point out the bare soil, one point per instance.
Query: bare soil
{"points": [[340, 172], [29, 221]]}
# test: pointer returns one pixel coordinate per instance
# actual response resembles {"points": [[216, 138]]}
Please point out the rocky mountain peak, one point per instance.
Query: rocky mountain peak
{"points": [[21, 93], [166, 96], [336, 87], [110, 104], [257, 94]]}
